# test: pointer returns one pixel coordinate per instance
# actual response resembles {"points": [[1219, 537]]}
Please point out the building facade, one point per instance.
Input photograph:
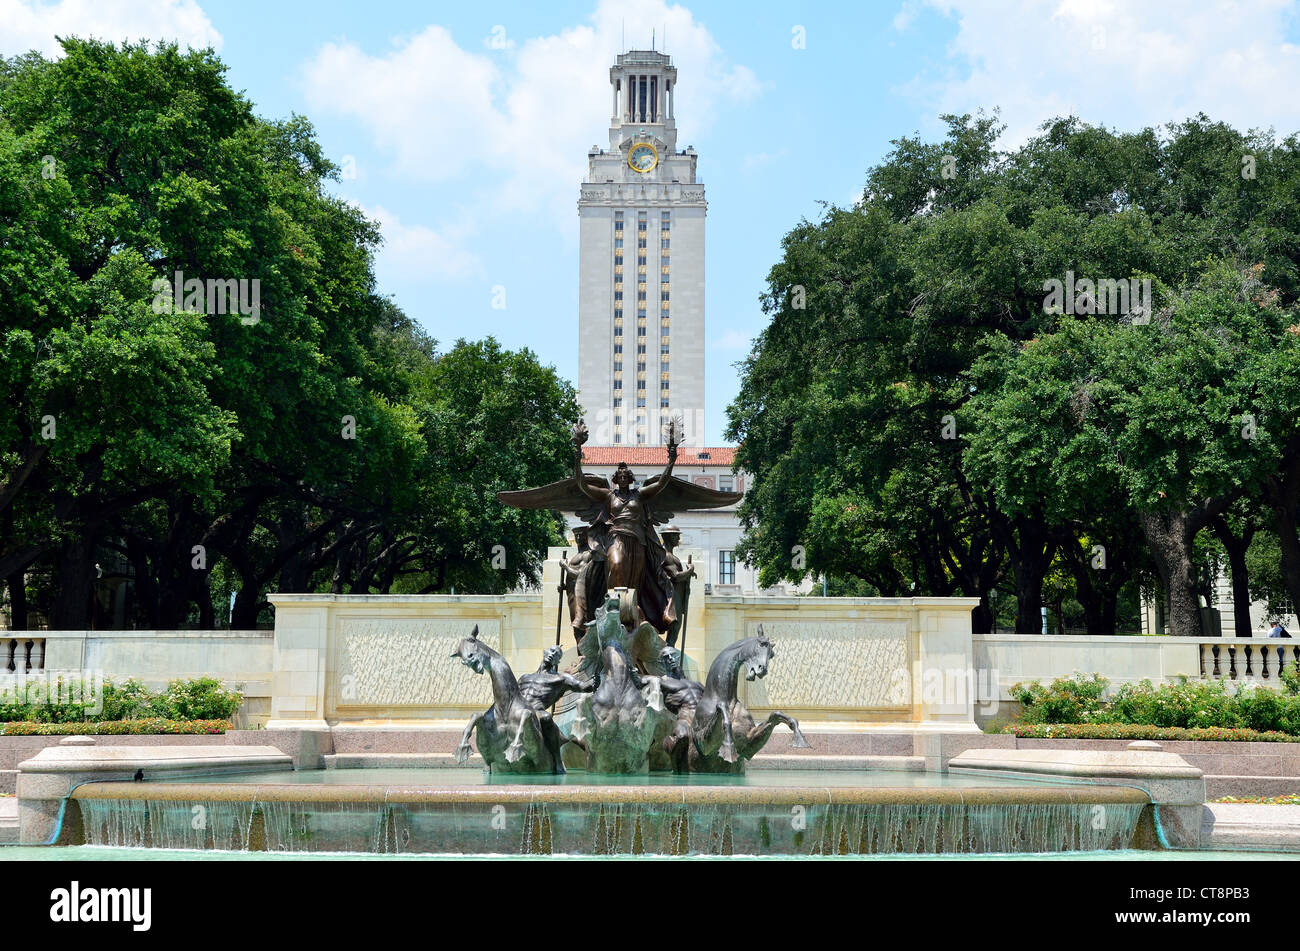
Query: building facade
{"points": [[641, 266]]}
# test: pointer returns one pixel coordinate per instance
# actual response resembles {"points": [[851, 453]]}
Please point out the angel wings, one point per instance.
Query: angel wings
{"points": [[676, 496]]}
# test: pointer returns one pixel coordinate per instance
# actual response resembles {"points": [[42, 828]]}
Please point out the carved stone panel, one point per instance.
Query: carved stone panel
{"points": [[834, 665], [406, 662]]}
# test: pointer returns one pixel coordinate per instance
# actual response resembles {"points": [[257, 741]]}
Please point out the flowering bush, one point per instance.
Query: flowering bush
{"points": [[202, 698], [114, 727], [1072, 699], [1186, 704], [1183, 704], [1141, 731], [82, 702]]}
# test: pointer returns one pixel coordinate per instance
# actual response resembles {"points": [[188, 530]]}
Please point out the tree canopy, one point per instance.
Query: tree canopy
{"points": [[197, 445], [965, 386]]}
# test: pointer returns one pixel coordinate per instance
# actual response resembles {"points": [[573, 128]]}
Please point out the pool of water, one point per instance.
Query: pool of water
{"points": [[759, 778], [95, 853]]}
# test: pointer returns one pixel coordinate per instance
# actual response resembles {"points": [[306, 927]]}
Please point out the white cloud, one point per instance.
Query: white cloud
{"points": [[906, 14], [32, 25], [442, 111], [417, 252], [1120, 64]]}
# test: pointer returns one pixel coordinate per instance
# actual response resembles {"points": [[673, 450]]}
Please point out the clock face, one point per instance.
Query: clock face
{"points": [[642, 158]]}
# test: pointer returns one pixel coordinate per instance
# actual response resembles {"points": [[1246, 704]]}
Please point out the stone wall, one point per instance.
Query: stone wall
{"points": [[242, 659], [385, 659], [1008, 659]]}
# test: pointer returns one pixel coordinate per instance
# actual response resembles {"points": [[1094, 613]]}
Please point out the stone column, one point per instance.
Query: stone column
{"points": [[944, 679], [300, 660]]}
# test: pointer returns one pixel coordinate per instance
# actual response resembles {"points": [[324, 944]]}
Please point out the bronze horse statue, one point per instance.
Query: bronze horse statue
{"points": [[513, 736], [620, 725], [724, 732]]}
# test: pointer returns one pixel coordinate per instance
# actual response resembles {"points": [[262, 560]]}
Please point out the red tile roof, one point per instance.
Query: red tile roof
{"points": [[658, 455]]}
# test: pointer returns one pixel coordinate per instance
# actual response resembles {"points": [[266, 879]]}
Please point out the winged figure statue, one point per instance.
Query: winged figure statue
{"points": [[623, 513]]}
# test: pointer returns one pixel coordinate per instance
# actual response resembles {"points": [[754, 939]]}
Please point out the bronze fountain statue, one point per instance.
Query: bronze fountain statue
{"points": [[627, 592]]}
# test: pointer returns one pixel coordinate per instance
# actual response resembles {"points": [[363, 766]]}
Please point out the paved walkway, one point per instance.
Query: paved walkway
{"points": [[1248, 825]]}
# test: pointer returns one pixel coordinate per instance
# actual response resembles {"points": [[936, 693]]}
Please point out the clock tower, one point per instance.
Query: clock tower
{"points": [[641, 266]]}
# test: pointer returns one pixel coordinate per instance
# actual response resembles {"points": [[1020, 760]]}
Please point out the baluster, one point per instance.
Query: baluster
{"points": [[11, 645], [27, 656], [39, 663], [1214, 649], [1248, 653], [1295, 651], [1200, 653], [1232, 661], [1263, 660]]}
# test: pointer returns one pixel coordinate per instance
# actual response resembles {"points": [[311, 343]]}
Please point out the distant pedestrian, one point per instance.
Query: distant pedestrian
{"points": [[1278, 630]]}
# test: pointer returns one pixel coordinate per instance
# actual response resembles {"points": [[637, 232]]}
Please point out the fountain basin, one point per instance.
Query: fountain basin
{"points": [[785, 813]]}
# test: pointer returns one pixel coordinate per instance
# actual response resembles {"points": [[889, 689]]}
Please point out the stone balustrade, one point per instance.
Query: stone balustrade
{"points": [[1248, 660], [21, 652]]}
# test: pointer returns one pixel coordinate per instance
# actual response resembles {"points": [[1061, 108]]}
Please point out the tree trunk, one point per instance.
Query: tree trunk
{"points": [[1284, 499], [1093, 598], [207, 621], [1170, 537], [71, 610], [1236, 549], [1031, 557], [244, 615], [17, 583]]}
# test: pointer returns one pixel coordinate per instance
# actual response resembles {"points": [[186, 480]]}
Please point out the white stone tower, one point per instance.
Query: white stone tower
{"points": [[641, 266]]}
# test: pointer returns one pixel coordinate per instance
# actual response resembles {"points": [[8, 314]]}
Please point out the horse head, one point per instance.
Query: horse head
{"points": [[473, 653], [757, 655]]}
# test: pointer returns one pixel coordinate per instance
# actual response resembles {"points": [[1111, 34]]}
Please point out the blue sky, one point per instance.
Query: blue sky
{"points": [[464, 127]]}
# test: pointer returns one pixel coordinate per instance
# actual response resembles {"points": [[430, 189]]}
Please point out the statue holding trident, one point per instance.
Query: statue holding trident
{"points": [[622, 514], [579, 577], [680, 575]]}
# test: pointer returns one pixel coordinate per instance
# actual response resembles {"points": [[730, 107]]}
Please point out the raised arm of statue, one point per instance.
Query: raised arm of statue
{"points": [[653, 489], [580, 437]]}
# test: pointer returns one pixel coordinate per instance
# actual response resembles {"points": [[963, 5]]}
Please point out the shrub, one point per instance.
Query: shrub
{"points": [[202, 698], [1290, 678], [1141, 731], [1066, 700], [1183, 704], [1186, 704], [65, 700], [114, 727], [36, 700], [126, 701]]}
